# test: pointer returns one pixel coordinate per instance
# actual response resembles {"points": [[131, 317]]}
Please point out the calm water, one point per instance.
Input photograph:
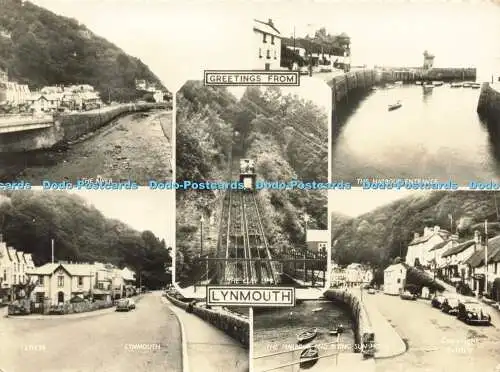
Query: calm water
{"points": [[276, 330], [436, 134]]}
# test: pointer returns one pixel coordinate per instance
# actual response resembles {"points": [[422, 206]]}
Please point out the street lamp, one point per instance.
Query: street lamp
{"points": [[306, 221], [201, 235]]}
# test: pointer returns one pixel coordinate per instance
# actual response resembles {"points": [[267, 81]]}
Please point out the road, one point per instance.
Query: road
{"points": [[437, 342], [134, 147], [145, 339], [209, 349]]}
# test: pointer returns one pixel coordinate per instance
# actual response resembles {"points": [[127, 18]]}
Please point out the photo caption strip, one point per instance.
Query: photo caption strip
{"points": [[251, 78], [251, 296]]}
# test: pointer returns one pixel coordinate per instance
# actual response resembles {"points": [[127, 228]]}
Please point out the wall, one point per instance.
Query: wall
{"points": [[67, 127], [488, 108], [358, 313], [234, 326], [344, 83]]}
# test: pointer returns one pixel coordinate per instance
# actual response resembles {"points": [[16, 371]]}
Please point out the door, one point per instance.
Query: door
{"points": [[268, 66], [60, 298]]}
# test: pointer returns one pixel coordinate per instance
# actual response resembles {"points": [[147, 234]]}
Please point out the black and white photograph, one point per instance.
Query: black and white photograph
{"points": [[419, 100], [82, 276], [419, 275], [77, 101], [242, 224]]}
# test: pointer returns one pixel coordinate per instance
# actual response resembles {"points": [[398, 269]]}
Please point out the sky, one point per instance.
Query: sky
{"points": [[356, 202], [142, 209], [179, 39]]}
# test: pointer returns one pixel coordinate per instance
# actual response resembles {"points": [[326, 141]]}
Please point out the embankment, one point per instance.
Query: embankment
{"points": [[355, 80], [67, 127], [361, 323], [488, 108], [234, 326]]}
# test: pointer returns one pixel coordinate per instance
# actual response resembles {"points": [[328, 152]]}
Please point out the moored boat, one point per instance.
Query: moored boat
{"points": [[398, 83], [309, 355], [317, 309], [418, 82], [437, 83], [456, 85], [475, 85], [428, 85], [395, 106], [467, 85], [307, 336]]}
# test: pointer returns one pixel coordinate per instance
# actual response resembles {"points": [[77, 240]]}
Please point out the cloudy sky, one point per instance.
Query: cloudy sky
{"points": [[356, 202], [179, 39], [142, 209]]}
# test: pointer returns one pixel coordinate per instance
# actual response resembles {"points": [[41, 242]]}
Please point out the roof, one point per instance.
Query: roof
{"points": [[317, 235], [47, 269], [440, 245], [459, 248], [443, 234], [266, 28], [476, 259], [494, 249], [396, 266], [71, 269], [12, 254]]}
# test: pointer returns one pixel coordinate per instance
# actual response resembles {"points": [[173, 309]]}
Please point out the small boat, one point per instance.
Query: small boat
{"points": [[398, 83], [395, 106], [390, 86], [437, 83], [418, 82], [317, 309], [337, 330], [428, 85], [456, 85], [309, 355], [475, 85], [307, 336], [467, 85]]}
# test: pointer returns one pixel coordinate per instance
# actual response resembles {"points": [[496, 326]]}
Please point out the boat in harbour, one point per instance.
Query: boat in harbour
{"points": [[456, 85], [418, 82], [398, 83], [309, 356], [317, 309], [437, 83], [307, 336], [428, 85], [467, 85], [337, 330], [475, 85], [395, 106]]}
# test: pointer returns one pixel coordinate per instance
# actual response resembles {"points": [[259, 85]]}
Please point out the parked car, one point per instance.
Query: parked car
{"points": [[371, 291], [304, 70], [450, 305], [437, 301], [407, 295], [125, 304], [471, 311]]}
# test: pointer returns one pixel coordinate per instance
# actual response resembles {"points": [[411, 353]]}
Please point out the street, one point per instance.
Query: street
{"points": [[437, 342], [145, 339], [134, 147]]}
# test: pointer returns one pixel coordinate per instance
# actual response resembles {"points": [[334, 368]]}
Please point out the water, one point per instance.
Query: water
{"points": [[276, 330], [437, 134]]}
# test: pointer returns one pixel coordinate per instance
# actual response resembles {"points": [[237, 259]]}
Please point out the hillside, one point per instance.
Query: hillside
{"points": [[81, 233], [39, 48], [282, 133], [384, 233]]}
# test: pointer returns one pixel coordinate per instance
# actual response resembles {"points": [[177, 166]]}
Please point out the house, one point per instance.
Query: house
{"points": [[158, 96], [51, 90], [298, 50], [317, 240], [354, 274], [268, 45], [367, 276], [476, 277], [129, 282], [337, 276], [17, 94], [455, 268], [45, 102], [395, 278], [420, 246], [140, 84]]}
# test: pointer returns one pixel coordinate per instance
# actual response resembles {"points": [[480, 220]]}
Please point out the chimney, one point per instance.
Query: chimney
{"points": [[477, 237], [454, 238], [436, 229], [416, 235], [270, 22]]}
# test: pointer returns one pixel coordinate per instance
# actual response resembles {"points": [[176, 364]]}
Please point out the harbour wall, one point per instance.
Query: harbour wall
{"points": [[234, 326], [67, 127], [342, 84], [361, 322]]}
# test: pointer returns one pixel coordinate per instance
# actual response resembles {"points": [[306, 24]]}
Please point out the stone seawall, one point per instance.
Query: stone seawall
{"points": [[488, 108], [67, 127], [342, 84], [362, 326], [234, 326]]}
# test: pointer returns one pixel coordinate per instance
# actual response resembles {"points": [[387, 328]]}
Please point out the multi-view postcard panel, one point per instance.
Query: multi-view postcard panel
{"points": [[241, 221]]}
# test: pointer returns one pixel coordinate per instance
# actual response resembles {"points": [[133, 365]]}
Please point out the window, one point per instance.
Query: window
{"points": [[39, 297], [80, 281], [268, 54], [40, 280], [60, 281], [264, 38], [101, 285], [5, 275], [272, 39], [15, 279], [399, 281], [275, 55], [260, 52]]}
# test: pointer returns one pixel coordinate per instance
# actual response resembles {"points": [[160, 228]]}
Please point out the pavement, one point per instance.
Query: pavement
{"points": [[437, 342], [388, 342], [145, 339], [207, 348]]}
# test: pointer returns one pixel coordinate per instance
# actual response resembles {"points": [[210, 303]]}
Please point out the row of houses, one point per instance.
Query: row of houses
{"points": [[353, 275], [62, 281], [473, 261], [268, 42]]}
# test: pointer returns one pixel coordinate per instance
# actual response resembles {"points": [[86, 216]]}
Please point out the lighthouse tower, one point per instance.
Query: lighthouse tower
{"points": [[428, 61]]}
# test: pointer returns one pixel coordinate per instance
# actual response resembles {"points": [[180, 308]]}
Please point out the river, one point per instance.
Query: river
{"points": [[436, 134], [275, 331]]}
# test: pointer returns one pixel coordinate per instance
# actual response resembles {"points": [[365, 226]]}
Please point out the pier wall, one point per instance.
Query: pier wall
{"points": [[342, 84], [232, 325], [359, 315], [488, 108], [67, 127]]}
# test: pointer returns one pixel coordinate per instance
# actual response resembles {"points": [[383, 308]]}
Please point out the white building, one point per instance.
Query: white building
{"points": [[17, 94], [267, 40], [354, 274], [300, 51], [317, 240], [456, 257], [14, 266], [394, 278], [420, 246], [158, 96]]}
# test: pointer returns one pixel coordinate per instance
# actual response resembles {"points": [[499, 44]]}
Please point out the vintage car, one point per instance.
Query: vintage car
{"points": [[407, 295], [450, 305], [437, 301], [125, 304], [471, 311]]}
